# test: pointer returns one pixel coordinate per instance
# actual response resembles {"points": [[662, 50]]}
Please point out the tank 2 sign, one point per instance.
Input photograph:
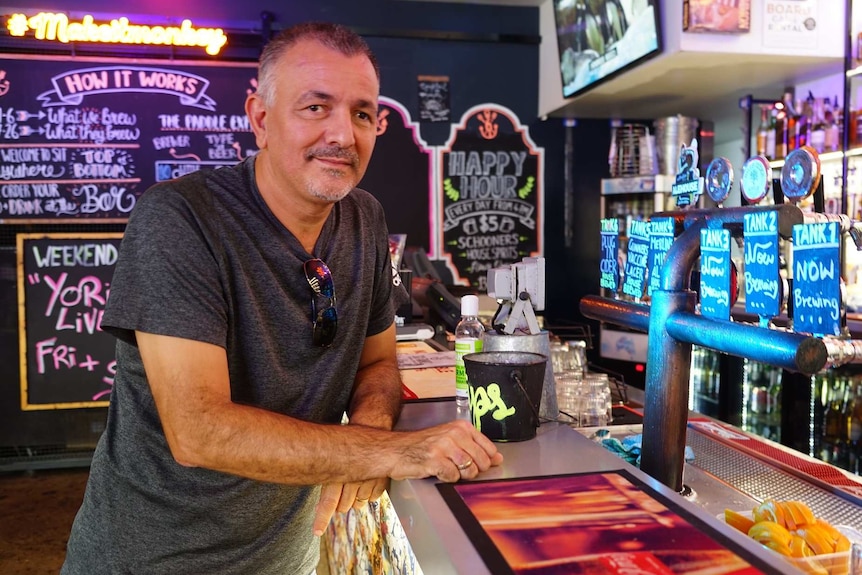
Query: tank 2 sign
{"points": [[490, 194]]}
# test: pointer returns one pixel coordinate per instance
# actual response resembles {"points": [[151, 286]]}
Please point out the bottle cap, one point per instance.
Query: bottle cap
{"points": [[469, 305]]}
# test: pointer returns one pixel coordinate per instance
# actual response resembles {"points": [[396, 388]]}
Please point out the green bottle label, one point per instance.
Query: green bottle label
{"points": [[462, 348]]}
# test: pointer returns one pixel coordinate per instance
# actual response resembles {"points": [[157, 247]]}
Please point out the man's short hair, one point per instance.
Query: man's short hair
{"points": [[334, 36]]}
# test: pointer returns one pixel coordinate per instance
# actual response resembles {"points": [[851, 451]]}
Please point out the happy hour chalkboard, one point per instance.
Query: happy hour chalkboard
{"points": [[63, 284], [82, 138], [491, 196]]}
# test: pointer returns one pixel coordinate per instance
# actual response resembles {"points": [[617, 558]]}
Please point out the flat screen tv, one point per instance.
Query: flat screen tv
{"points": [[599, 39]]}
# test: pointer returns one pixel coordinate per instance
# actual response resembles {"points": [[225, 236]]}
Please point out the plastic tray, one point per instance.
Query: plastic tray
{"points": [[827, 564]]}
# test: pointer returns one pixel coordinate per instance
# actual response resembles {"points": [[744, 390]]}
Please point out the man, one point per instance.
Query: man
{"points": [[252, 309]]}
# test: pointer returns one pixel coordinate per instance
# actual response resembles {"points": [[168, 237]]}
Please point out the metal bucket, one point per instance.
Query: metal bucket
{"points": [[505, 390], [535, 343], [670, 134]]}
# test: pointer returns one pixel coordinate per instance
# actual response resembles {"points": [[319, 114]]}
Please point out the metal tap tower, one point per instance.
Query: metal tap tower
{"points": [[673, 326]]}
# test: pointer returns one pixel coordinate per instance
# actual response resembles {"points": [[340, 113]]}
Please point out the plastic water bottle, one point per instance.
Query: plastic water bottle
{"points": [[468, 339]]}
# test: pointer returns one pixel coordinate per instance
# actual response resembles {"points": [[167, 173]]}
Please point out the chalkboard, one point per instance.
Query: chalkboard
{"points": [[609, 261], [66, 361], [491, 196], [433, 98], [661, 236], [715, 284], [816, 278], [762, 280], [636, 259], [82, 138]]}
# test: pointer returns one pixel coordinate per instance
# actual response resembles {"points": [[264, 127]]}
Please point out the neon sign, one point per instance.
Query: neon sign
{"points": [[57, 27]]}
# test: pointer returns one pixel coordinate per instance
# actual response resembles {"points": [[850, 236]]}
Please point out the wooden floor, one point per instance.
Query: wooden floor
{"points": [[36, 513]]}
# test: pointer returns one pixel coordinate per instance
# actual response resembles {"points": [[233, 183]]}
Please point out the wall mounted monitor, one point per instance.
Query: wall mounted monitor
{"points": [[600, 39]]}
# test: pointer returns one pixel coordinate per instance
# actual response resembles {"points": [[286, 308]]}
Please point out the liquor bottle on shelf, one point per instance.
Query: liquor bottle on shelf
{"points": [[761, 409], [773, 395], [762, 131], [817, 134], [780, 128], [833, 395], [841, 449], [832, 141], [838, 113], [714, 380], [803, 122], [705, 381], [855, 139], [770, 135], [785, 134], [696, 377]]}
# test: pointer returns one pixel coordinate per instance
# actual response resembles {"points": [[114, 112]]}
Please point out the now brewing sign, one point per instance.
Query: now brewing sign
{"points": [[816, 287]]}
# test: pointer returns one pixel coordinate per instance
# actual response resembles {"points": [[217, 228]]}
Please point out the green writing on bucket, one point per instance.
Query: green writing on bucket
{"points": [[485, 400]]}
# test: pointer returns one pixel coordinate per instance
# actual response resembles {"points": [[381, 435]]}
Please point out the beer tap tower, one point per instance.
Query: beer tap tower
{"points": [[673, 323]]}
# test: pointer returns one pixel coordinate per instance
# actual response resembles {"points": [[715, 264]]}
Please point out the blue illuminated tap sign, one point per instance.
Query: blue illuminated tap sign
{"points": [[816, 283], [715, 297], [636, 260], [661, 235], [610, 276], [762, 282]]}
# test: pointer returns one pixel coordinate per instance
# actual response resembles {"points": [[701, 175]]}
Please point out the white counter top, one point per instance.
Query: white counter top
{"points": [[440, 544]]}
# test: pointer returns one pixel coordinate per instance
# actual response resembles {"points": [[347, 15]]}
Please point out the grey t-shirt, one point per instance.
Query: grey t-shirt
{"points": [[204, 258]]}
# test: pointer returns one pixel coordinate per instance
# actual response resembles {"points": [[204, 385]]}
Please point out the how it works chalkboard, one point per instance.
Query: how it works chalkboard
{"points": [[64, 279], [82, 138]]}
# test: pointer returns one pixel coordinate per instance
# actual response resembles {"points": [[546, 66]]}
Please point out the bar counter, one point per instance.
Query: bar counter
{"points": [[440, 544]]}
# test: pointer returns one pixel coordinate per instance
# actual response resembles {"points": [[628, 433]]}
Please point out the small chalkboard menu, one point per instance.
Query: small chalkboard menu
{"points": [[816, 283], [661, 236], [491, 196], [434, 98], [715, 297], [66, 360], [636, 259], [82, 138], [609, 265], [762, 281]]}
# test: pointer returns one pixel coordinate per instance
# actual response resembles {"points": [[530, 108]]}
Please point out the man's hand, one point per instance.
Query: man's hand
{"points": [[450, 452], [341, 497]]}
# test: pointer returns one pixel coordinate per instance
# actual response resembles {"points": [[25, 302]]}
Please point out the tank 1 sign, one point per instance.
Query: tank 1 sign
{"points": [[490, 194]]}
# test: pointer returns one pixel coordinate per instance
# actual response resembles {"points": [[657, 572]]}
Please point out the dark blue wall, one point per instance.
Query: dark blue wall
{"points": [[489, 53]]}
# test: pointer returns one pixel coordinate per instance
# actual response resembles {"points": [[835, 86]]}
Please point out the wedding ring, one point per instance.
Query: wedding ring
{"points": [[464, 466], [358, 500]]}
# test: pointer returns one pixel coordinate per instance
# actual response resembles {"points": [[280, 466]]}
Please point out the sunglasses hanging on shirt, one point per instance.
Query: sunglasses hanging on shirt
{"points": [[323, 313]]}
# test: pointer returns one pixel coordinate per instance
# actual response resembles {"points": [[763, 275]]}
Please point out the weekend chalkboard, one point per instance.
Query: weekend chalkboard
{"points": [[66, 361], [82, 138]]}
